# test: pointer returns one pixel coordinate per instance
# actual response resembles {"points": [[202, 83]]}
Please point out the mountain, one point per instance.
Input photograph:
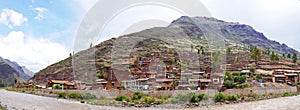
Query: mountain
{"points": [[8, 75], [11, 72], [22, 70], [180, 36], [235, 32]]}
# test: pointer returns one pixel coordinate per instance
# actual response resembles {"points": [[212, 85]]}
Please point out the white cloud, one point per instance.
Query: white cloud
{"points": [[34, 53], [12, 18], [40, 13]]}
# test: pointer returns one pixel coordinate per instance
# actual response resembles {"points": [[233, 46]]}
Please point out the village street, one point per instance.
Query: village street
{"points": [[22, 101]]}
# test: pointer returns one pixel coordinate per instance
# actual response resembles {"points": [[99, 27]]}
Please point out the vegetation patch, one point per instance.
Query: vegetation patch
{"points": [[2, 107], [61, 95], [75, 96]]}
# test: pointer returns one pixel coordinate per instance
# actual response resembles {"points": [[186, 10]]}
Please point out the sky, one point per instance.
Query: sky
{"points": [[38, 33]]}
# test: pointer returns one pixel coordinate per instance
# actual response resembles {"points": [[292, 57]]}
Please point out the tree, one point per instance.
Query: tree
{"points": [[289, 56], [276, 57], [272, 56], [252, 48], [267, 52], [259, 76], [236, 60], [228, 84], [101, 75], [283, 56], [228, 76], [228, 51], [240, 79], [294, 58], [203, 52], [256, 54], [252, 70], [1, 84], [91, 45]]}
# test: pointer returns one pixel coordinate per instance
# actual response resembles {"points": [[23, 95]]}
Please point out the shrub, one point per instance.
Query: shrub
{"points": [[57, 87], [82, 101], [236, 74], [75, 96], [232, 97], [11, 89], [137, 96], [255, 96], [23, 90], [186, 98], [159, 101], [61, 95], [101, 75], [195, 99], [3, 107], [220, 97], [149, 100], [228, 84], [252, 69], [101, 60], [127, 100], [271, 93], [122, 86], [285, 94], [246, 86], [164, 97], [264, 95], [120, 98], [240, 79], [203, 97], [259, 76], [297, 83], [1, 84], [88, 96]]}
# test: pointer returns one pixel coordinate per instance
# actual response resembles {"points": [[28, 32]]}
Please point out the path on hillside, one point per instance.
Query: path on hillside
{"points": [[22, 101]]}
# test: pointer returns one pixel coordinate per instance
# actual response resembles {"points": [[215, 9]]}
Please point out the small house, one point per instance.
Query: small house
{"points": [[60, 84]]}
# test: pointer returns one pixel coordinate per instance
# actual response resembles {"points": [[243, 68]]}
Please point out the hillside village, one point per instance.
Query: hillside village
{"points": [[174, 64], [155, 64], [243, 69]]}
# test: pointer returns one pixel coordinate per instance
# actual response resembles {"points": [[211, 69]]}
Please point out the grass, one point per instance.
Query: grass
{"points": [[2, 107], [11, 89]]}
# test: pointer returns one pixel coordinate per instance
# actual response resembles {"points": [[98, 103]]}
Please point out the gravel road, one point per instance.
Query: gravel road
{"points": [[20, 101]]}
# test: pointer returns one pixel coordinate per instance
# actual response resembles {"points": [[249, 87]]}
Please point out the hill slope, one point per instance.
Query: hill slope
{"points": [[198, 31], [22, 70], [8, 75]]}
